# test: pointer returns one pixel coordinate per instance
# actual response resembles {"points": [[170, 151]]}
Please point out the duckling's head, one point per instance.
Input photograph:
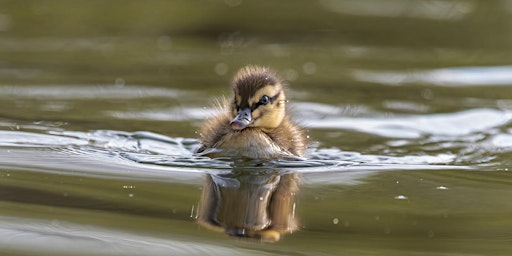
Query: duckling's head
{"points": [[259, 99]]}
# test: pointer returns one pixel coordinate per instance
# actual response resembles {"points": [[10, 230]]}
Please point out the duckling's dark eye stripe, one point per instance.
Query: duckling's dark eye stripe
{"points": [[271, 100]]}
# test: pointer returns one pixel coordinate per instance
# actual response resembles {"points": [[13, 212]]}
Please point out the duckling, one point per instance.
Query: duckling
{"points": [[255, 124]]}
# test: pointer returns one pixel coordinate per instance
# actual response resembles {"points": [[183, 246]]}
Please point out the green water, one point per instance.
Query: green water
{"points": [[408, 103]]}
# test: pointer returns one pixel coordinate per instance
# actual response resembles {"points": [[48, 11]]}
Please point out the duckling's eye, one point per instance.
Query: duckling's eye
{"points": [[264, 100]]}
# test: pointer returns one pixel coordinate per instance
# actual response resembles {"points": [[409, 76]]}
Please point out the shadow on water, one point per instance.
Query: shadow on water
{"points": [[251, 203]]}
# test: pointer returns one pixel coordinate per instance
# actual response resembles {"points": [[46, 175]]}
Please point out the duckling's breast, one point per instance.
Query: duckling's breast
{"points": [[251, 143]]}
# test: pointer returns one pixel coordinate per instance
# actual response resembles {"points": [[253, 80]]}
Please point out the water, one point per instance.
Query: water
{"points": [[408, 105]]}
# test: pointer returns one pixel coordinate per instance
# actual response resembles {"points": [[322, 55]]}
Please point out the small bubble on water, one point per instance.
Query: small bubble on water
{"points": [[401, 197], [221, 68], [130, 195], [119, 82], [427, 94], [441, 188], [5, 22], [55, 222], [335, 221], [291, 74], [164, 43], [309, 68]]}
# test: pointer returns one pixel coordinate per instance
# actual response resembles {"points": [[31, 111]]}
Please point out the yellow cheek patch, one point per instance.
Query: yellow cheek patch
{"points": [[268, 118], [256, 114]]}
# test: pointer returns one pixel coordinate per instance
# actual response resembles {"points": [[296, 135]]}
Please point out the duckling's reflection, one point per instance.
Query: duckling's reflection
{"points": [[250, 203]]}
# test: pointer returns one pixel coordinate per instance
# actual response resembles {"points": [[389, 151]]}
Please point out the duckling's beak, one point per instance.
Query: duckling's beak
{"points": [[242, 120]]}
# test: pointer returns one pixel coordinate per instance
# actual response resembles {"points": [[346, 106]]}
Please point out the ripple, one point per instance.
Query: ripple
{"points": [[98, 153], [502, 141], [149, 156], [436, 10], [415, 126], [28, 139], [74, 92], [172, 114], [459, 76], [59, 237]]}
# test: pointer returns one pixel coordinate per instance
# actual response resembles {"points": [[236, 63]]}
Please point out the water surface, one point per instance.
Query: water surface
{"points": [[408, 106]]}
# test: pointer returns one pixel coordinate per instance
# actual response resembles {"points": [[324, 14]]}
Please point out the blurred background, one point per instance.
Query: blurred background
{"points": [[343, 51], [161, 42]]}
